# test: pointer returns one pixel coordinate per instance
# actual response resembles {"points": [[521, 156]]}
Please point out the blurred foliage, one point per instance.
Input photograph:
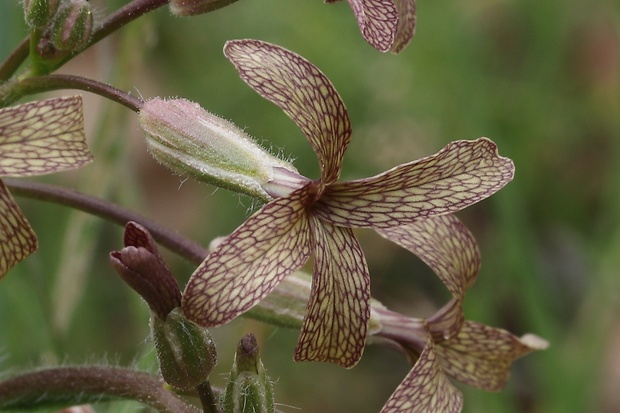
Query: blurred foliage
{"points": [[542, 79]]}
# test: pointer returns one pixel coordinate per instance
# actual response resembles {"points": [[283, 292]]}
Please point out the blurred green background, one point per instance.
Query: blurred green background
{"points": [[542, 79]]}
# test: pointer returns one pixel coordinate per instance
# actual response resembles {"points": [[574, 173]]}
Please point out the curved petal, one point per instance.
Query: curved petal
{"points": [[378, 21], [461, 174], [481, 356], [302, 91], [335, 325], [43, 136], [425, 389], [17, 239], [445, 245], [250, 262], [406, 24]]}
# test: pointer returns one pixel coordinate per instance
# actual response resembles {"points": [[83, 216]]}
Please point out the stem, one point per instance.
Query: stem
{"points": [[15, 59], [118, 19], [207, 397], [124, 15], [55, 82], [109, 211], [78, 385]]}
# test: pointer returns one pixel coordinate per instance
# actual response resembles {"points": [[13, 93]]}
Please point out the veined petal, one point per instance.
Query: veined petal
{"points": [[461, 174], [406, 24], [481, 356], [425, 389], [335, 325], [250, 262], [43, 136], [302, 91], [445, 245], [17, 239], [378, 21]]}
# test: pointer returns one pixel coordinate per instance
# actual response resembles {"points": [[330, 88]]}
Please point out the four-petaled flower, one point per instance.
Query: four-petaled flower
{"points": [[444, 344], [36, 138], [318, 217]]}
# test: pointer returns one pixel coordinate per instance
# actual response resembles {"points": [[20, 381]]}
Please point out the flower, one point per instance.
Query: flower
{"points": [[442, 346], [36, 138], [318, 217], [478, 355], [445, 344], [387, 25]]}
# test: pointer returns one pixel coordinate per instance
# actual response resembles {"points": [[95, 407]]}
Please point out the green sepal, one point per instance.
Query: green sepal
{"points": [[185, 351]]}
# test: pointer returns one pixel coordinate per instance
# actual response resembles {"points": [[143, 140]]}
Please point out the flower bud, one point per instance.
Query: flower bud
{"points": [[72, 26], [195, 7], [143, 269], [249, 389], [38, 13], [185, 351], [187, 139]]}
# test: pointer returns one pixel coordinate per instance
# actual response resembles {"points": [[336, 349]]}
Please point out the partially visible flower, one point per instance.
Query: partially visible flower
{"points": [[195, 7], [36, 138], [440, 346], [388, 25], [317, 218], [478, 355]]}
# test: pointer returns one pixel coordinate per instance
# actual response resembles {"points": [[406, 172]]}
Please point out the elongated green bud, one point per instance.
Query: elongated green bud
{"points": [[72, 26], [38, 13], [189, 140], [185, 351], [195, 7], [249, 389]]}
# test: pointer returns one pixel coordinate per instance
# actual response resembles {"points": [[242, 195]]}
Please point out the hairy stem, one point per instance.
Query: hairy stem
{"points": [[109, 211], [65, 386], [207, 398]]}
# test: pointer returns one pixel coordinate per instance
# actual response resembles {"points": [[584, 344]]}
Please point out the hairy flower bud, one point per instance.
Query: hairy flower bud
{"points": [[187, 139], [185, 351], [38, 13], [72, 26], [195, 7], [249, 389]]}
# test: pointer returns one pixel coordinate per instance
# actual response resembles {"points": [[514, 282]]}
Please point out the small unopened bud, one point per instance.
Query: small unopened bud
{"points": [[249, 388], [185, 351], [195, 7], [39, 13], [72, 26], [187, 139], [143, 269]]}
